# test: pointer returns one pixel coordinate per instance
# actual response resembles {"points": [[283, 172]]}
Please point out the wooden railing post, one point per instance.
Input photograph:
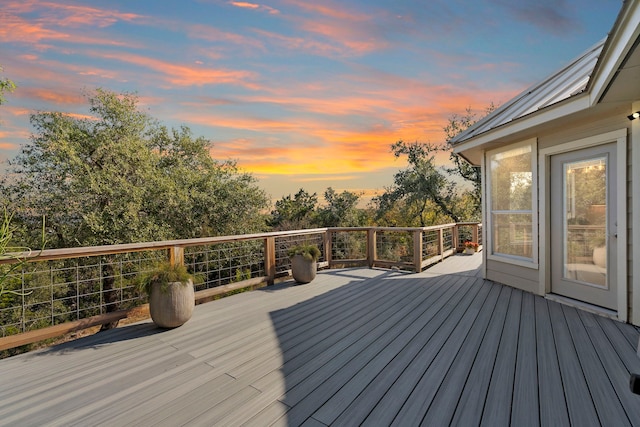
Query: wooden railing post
{"points": [[371, 247], [417, 251], [474, 233], [270, 259], [176, 255], [456, 238], [441, 243], [327, 243]]}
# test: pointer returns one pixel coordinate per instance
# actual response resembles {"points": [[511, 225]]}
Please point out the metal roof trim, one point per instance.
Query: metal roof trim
{"points": [[565, 83]]}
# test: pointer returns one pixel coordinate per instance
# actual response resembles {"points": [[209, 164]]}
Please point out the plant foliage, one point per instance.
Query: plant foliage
{"points": [[308, 251], [163, 274], [118, 176]]}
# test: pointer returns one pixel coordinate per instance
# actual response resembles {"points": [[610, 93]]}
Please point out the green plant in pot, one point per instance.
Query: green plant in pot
{"points": [[304, 262], [171, 294]]}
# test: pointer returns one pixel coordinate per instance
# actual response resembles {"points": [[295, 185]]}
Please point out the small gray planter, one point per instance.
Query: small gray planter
{"points": [[303, 270], [173, 306]]}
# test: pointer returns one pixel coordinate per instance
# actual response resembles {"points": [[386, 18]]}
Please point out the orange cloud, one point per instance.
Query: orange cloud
{"points": [[9, 138], [353, 132], [67, 15], [8, 145], [16, 29], [52, 96], [183, 75], [324, 178]]}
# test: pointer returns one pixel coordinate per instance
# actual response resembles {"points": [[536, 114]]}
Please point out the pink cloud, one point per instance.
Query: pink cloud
{"points": [[302, 44], [59, 23], [254, 6], [328, 9], [205, 32], [66, 15], [183, 75]]}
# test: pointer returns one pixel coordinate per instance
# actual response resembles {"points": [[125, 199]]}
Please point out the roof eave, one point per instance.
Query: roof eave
{"points": [[623, 35], [563, 108]]}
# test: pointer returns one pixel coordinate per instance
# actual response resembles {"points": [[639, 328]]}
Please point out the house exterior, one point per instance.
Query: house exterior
{"points": [[561, 179]]}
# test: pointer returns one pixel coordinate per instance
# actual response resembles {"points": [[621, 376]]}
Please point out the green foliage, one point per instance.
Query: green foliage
{"points": [[340, 210], [121, 177], [241, 275], [423, 188], [425, 194], [302, 211], [163, 274], [472, 174], [308, 251], [9, 252], [6, 85], [297, 212]]}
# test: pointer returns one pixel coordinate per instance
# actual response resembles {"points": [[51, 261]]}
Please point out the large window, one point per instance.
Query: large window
{"points": [[511, 202]]}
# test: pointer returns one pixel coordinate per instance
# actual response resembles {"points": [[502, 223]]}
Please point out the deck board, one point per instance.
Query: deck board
{"points": [[387, 409], [525, 391], [446, 398], [497, 409], [553, 407], [442, 347], [579, 403], [605, 400], [471, 401]]}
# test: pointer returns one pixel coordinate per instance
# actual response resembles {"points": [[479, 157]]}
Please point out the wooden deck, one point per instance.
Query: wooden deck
{"points": [[356, 346]]}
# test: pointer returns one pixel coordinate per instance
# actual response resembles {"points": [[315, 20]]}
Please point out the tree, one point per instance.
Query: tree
{"points": [[6, 85], [121, 177], [295, 212], [423, 188], [341, 210], [456, 125]]}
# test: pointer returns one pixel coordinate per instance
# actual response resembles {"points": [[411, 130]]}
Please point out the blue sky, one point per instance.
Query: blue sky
{"points": [[301, 93]]}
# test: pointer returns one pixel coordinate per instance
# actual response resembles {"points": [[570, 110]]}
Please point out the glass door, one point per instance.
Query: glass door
{"points": [[583, 193]]}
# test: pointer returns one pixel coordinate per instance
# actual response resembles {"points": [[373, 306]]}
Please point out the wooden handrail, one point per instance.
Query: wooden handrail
{"points": [[175, 253], [87, 251]]}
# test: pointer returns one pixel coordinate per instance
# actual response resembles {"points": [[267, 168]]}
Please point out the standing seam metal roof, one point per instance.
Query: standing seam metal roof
{"points": [[569, 81]]}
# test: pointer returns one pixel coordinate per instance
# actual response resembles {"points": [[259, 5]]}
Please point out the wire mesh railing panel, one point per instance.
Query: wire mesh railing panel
{"points": [[46, 293], [582, 240], [447, 239], [42, 293], [348, 245], [430, 244], [480, 237], [225, 263], [394, 246], [465, 234], [284, 243]]}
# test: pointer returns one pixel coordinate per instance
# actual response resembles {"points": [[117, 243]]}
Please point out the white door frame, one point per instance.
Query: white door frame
{"points": [[544, 170]]}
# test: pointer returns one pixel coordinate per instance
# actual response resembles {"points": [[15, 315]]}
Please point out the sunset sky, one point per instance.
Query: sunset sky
{"points": [[302, 93]]}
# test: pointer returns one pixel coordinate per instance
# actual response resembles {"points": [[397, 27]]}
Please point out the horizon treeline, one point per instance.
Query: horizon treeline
{"points": [[120, 176]]}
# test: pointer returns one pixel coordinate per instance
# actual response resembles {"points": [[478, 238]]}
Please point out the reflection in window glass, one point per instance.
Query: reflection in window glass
{"points": [[585, 221], [511, 201]]}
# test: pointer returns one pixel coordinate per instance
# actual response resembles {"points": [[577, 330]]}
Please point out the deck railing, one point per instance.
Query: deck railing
{"points": [[63, 290]]}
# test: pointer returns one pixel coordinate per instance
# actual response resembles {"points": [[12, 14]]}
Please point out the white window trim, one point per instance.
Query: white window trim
{"points": [[544, 277], [504, 258]]}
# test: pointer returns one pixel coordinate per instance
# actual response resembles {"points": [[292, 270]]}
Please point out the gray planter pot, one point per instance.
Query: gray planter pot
{"points": [[173, 306], [600, 256], [303, 270]]}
